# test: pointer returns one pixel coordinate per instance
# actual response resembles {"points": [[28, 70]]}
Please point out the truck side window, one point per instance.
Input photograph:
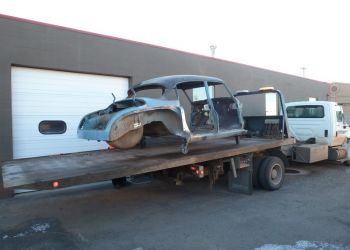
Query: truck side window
{"points": [[339, 116]]}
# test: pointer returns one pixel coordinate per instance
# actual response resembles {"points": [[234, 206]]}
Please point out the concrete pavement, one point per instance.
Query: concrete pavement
{"points": [[310, 208]]}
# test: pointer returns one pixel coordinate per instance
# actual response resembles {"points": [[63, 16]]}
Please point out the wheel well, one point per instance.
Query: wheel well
{"points": [[156, 128], [156, 122], [278, 153]]}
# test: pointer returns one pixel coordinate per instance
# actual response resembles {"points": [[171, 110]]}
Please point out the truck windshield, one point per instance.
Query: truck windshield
{"points": [[314, 111]]}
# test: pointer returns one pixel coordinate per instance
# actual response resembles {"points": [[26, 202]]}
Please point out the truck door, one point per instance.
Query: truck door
{"points": [[226, 107], [203, 118], [339, 117], [340, 127]]}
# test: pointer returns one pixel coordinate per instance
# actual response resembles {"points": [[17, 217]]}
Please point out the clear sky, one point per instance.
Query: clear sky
{"points": [[281, 35]]}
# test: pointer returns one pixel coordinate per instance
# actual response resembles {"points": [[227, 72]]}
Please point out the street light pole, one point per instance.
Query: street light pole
{"points": [[303, 69], [212, 49]]}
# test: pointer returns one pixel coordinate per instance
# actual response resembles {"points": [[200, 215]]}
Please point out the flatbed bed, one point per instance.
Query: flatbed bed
{"points": [[87, 167]]}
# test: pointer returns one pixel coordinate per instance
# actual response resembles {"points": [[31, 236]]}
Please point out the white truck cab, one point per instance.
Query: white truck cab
{"points": [[320, 131], [322, 121]]}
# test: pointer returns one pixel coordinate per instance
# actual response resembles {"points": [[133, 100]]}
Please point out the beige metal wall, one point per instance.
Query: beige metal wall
{"points": [[340, 93], [38, 45]]}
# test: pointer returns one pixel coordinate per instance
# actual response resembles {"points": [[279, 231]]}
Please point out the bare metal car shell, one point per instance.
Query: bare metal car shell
{"points": [[123, 120]]}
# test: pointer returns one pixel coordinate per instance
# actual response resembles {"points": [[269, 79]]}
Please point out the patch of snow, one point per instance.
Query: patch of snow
{"points": [[40, 227], [81, 237], [36, 228], [303, 245], [20, 235]]}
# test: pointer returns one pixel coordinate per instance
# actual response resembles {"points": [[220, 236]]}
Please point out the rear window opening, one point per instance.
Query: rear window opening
{"points": [[314, 111]]}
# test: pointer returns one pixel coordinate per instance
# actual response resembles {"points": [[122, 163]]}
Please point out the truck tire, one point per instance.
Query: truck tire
{"points": [[271, 173], [119, 182], [347, 163], [257, 160]]}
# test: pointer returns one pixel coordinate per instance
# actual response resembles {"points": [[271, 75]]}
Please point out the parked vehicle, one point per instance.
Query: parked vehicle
{"points": [[320, 130], [256, 161], [124, 123]]}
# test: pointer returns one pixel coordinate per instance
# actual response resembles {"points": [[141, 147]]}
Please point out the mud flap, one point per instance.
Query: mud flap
{"points": [[5, 193], [239, 177]]}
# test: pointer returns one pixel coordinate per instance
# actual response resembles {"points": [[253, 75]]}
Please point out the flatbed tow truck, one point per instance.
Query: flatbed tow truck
{"points": [[254, 160]]}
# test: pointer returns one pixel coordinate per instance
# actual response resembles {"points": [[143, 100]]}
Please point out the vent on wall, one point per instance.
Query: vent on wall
{"points": [[334, 88]]}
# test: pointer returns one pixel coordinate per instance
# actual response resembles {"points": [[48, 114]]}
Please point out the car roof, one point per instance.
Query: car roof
{"points": [[179, 81]]}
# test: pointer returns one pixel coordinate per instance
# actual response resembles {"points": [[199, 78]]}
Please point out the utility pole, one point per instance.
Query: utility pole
{"points": [[303, 69], [212, 49]]}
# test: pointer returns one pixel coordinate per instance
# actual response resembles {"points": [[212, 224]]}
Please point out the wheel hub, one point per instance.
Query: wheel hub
{"points": [[274, 174]]}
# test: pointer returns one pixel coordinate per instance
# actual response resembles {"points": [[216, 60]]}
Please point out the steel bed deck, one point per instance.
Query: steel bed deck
{"points": [[79, 168]]}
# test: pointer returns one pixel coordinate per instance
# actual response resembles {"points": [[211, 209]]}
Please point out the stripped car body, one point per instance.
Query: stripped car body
{"points": [[124, 123]]}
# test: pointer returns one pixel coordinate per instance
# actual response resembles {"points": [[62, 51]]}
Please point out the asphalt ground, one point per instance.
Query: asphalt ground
{"points": [[310, 211]]}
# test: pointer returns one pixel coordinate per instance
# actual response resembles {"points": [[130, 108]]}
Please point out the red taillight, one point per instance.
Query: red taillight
{"points": [[198, 170], [55, 184]]}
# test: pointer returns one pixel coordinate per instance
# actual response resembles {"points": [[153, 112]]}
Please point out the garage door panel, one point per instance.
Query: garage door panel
{"points": [[87, 94], [36, 101], [39, 95], [58, 111], [27, 126], [60, 87]]}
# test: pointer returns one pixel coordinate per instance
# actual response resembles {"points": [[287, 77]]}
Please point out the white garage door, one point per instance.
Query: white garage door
{"points": [[57, 101]]}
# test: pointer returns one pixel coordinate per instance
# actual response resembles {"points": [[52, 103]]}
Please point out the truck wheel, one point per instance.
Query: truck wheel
{"points": [[257, 160], [271, 173], [129, 140], [119, 182]]}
